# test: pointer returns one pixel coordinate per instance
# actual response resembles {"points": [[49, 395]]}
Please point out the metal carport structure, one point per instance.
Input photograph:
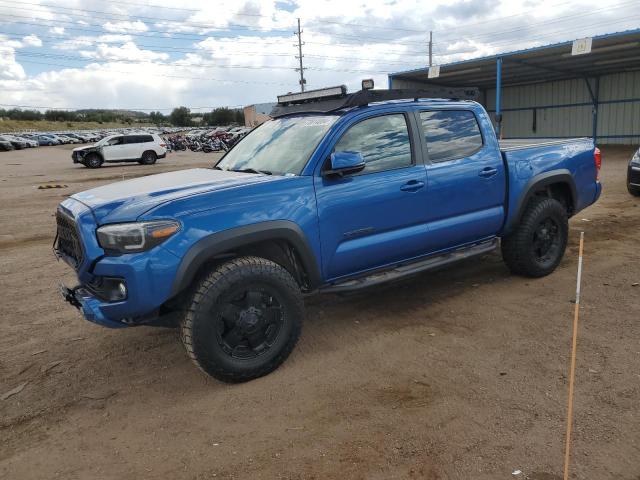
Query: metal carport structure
{"points": [[569, 90]]}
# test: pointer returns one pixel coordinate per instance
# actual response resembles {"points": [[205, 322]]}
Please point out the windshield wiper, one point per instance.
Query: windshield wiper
{"points": [[251, 170]]}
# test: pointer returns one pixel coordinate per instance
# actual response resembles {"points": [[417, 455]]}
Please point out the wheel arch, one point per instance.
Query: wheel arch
{"points": [[261, 239], [558, 184]]}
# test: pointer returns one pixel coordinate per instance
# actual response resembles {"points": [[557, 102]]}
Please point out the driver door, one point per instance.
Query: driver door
{"points": [[377, 216], [114, 149]]}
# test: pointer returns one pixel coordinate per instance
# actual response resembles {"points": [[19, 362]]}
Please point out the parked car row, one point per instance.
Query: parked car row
{"points": [[18, 141]]}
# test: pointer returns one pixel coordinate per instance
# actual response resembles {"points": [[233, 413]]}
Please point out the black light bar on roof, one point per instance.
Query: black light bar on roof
{"points": [[321, 93]]}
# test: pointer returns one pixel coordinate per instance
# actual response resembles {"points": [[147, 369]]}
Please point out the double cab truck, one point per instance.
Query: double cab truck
{"points": [[337, 192]]}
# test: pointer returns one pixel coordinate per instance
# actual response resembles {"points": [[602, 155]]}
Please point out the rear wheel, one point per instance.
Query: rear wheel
{"points": [[244, 319], [148, 158], [537, 246], [93, 160]]}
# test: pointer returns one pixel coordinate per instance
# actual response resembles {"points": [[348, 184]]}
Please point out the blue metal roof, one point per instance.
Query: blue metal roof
{"points": [[544, 58]]}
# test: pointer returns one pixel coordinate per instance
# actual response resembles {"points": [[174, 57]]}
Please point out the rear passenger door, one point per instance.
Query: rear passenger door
{"points": [[133, 146], [374, 217], [466, 178]]}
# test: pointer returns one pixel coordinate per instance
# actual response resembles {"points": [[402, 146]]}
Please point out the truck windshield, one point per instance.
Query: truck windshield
{"points": [[281, 146]]}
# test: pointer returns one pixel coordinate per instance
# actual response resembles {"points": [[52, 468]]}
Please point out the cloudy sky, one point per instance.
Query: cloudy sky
{"points": [[158, 54]]}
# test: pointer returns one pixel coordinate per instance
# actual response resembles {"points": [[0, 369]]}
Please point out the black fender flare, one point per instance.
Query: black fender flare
{"points": [[562, 176], [217, 243]]}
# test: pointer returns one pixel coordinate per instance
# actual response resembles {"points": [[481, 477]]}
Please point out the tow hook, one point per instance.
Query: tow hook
{"points": [[69, 295]]}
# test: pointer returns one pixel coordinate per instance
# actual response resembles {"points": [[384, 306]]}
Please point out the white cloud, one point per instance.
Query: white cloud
{"points": [[128, 51], [9, 68], [84, 41], [32, 41], [57, 30], [126, 27]]}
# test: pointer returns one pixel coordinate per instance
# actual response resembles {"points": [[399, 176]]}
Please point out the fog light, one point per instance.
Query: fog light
{"points": [[109, 288], [122, 289]]}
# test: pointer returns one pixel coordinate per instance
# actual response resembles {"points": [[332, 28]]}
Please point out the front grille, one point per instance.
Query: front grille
{"points": [[68, 242]]}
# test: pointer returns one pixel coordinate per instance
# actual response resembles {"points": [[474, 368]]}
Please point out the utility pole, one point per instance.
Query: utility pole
{"points": [[430, 48], [301, 69]]}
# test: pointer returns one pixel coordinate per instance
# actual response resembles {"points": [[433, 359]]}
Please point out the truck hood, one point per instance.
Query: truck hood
{"points": [[127, 200]]}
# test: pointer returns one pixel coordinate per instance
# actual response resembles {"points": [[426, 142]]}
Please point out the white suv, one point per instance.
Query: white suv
{"points": [[142, 148]]}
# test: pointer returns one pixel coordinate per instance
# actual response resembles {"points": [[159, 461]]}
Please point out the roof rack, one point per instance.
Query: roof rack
{"points": [[335, 98]]}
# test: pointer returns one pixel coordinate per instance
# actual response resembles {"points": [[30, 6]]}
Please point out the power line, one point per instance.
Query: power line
{"points": [[126, 17], [190, 65], [170, 50], [560, 19], [555, 33], [221, 80]]}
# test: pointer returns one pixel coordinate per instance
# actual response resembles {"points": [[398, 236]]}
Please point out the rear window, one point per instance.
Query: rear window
{"points": [[451, 134], [139, 138]]}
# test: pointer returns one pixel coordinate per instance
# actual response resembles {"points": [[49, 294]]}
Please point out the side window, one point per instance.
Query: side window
{"points": [[451, 134], [383, 142], [147, 138], [133, 139], [115, 141]]}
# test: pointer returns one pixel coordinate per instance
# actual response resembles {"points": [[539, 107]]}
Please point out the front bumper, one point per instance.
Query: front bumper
{"points": [[148, 277], [88, 305]]}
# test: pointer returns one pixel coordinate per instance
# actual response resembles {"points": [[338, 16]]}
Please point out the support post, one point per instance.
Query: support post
{"points": [[594, 93], [499, 98], [596, 102], [430, 48]]}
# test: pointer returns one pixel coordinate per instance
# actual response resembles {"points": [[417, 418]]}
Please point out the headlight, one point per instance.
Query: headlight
{"points": [[135, 237], [635, 160]]}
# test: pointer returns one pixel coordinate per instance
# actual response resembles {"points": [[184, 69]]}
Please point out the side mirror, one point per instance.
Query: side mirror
{"points": [[345, 163]]}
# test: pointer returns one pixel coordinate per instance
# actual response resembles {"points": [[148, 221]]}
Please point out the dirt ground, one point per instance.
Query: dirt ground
{"points": [[457, 374]]}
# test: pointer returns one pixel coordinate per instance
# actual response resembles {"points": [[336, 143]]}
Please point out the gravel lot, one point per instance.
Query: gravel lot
{"points": [[458, 374]]}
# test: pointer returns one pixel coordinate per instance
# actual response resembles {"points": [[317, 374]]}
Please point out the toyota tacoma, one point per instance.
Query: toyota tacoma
{"points": [[337, 192]]}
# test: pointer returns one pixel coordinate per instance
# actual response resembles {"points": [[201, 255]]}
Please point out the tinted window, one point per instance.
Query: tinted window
{"points": [[138, 138], [382, 141], [451, 134], [115, 141]]}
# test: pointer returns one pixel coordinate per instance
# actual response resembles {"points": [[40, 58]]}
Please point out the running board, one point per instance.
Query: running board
{"points": [[406, 270]]}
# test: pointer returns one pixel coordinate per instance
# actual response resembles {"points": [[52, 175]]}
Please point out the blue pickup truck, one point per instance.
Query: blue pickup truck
{"points": [[337, 192]]}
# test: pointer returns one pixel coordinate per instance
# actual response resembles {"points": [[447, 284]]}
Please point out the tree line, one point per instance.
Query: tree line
{"points": [[180, 117]]}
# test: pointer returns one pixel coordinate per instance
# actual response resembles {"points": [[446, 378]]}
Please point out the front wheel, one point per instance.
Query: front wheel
{"points": [[93, 161], [537, 246], [244, 319]]}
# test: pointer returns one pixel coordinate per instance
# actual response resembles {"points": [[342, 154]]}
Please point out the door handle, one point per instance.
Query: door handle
{"points": [[412, 186], [488, 172]]}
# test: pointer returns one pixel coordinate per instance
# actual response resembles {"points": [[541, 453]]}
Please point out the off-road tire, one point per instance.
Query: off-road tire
{"points": [[518, 249], [199, 330], [93, 160], [148, 158]]}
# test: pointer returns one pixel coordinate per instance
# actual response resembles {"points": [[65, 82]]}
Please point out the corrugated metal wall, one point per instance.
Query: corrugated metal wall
{"points": [[617, 116], [564, 108], [558, 112]]}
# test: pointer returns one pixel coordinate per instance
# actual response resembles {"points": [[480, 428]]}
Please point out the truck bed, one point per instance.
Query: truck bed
{"points": [[521, 143]]}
